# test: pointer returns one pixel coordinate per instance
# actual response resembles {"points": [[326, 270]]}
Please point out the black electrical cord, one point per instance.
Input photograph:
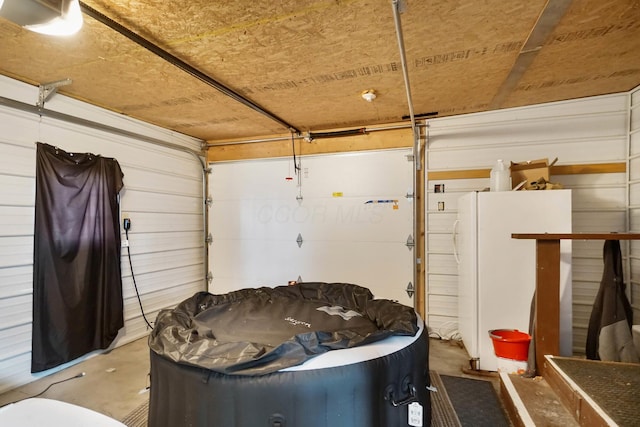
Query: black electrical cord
{"points": [[135, 285], [80, 375]]}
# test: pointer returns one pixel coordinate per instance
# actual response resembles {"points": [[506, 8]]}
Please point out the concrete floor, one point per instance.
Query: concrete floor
{"points": [[112, 383], [115, 382]]}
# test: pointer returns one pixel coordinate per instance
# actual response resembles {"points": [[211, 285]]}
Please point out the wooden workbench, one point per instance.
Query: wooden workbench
{"points": [[547, 304]]}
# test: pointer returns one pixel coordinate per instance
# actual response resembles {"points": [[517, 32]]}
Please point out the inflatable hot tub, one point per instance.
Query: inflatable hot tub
{"points": [[309, 355]]}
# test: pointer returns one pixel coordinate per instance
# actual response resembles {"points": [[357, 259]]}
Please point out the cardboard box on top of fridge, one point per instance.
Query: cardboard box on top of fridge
{"points": [[530, 172]]}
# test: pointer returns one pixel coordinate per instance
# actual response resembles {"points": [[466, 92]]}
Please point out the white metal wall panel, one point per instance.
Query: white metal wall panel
{"points": [[583, 131], [634, 201], [256, 219], [162, 196]]}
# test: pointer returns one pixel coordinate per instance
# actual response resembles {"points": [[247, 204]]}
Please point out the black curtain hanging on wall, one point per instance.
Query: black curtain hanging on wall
{"points": [[77, 284]]}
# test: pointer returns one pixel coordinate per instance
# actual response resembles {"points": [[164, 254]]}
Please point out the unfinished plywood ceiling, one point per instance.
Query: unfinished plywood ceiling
{"points": [[307, 62]]}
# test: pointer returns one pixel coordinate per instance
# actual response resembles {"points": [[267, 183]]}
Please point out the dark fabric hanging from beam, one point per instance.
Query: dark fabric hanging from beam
{"points": [[77, 282]]}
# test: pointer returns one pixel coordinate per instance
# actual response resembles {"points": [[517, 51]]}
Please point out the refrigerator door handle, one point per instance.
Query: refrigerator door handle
{"points": [[455, 241]]}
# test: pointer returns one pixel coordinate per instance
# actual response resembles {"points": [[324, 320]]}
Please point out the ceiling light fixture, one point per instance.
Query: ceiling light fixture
{"points": [[369, 95], [50, 17]]}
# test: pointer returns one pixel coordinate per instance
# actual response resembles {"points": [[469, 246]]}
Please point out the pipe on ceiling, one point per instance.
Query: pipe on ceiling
{"points": [[417, 261], [157, 50], [405, 73], [403, 59]]}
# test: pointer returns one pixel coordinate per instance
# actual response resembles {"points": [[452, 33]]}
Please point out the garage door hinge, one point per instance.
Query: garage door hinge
{"points": [[408, 195], [209, 239], [410, 157], [410, 243], [410, 290], [209, 201], [299, 240]]}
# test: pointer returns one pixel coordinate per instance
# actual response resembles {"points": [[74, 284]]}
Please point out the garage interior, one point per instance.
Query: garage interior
{"points": [[306, 64], [197, 85]]}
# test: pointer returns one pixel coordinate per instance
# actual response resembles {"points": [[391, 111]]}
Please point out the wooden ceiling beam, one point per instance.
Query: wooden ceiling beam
{"points": [[549, 18]]}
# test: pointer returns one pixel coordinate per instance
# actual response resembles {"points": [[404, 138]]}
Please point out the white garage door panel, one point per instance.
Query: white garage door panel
{"points": [[358, 174], [256, 218], [268, 263], [352, 219], [384, 268], [332, 219], [253, 263], [253, 180]]}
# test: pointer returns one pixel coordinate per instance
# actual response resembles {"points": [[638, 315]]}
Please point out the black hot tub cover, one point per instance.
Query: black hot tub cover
{"points": [[262, 330]]}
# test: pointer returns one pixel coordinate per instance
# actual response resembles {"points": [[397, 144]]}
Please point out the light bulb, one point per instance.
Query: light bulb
{"points": [[369, 95], [67, 24]]}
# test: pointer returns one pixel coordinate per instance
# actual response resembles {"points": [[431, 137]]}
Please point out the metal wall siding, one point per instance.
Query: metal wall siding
{"points": [[587, 249], [161, 261], [17, 220], [16, 340], [16, 159], [15, 311], [583, 131], [162, 196], [158, 222], [634, 222], [443, 284], [592, 181], [633, 277], [440, 243], [15, 281], [599, 198], [634, 173], [16, 251], [440, 223], [18, 190], [153, 180], [144, 201], [441, 264], [635, 138], [110, 118], [147, 243], [598, 221]]}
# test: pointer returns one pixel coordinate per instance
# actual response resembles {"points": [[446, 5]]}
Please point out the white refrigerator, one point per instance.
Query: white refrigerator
{"points": [[497, 274]]}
